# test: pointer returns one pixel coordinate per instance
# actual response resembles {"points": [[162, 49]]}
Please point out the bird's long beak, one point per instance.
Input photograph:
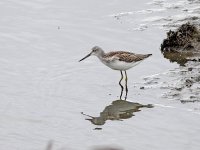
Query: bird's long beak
{"points": [[86, 115], [85, 57]]}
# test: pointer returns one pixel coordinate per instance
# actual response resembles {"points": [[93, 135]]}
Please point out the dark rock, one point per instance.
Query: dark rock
{"points": [[190, 69], [142, 88], [182, 38], [182, 44]]}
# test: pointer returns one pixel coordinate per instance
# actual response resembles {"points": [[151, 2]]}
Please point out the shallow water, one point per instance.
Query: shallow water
{"points": [[44, 88]]}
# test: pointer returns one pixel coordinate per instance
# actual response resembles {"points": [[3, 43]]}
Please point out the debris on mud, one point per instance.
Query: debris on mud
{"points": [[183, 44], [181, 84]]}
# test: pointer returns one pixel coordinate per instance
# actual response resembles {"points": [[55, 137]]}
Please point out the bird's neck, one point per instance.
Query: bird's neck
{"points": [[101, 54]]}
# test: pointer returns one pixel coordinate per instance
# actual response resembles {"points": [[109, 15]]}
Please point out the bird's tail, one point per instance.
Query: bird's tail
{"points": [[147, 55]]}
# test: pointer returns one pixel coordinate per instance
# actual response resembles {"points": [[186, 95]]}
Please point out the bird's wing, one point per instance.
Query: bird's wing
{"points": [[125, 56], [116, 55], [128, 57]]}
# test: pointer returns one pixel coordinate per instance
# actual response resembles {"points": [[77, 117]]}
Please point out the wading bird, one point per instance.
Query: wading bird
{"points": [[118, 60]]}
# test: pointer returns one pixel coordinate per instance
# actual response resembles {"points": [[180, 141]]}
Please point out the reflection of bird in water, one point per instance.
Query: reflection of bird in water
{"points": [[118, 110], [118, 60]]}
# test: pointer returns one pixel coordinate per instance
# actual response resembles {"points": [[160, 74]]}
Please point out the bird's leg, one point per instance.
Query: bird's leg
{"points": [[122, 88], [126, 79]]}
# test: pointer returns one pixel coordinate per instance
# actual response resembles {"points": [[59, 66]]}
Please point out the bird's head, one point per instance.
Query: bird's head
{"points": [[96, 50]]}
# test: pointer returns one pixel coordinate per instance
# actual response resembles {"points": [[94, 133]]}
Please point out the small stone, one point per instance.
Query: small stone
{"points": [[190, 69], [97, 128]]}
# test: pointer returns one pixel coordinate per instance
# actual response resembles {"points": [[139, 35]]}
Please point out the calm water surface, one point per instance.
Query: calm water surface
{"points": [[44, 88]]}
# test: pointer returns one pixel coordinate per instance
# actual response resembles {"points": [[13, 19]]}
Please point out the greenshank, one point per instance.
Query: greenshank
{"points": [[118, 60]]}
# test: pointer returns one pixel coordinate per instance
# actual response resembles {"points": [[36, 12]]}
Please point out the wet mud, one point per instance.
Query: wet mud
{"points": [[161, 14], [181, 84]]}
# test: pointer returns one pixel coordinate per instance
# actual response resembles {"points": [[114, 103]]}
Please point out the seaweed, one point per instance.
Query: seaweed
{"points": [[182, 44], [182, 39]]}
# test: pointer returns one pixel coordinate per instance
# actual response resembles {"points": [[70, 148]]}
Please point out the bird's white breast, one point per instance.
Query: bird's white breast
{"points": [[120, 65]]}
